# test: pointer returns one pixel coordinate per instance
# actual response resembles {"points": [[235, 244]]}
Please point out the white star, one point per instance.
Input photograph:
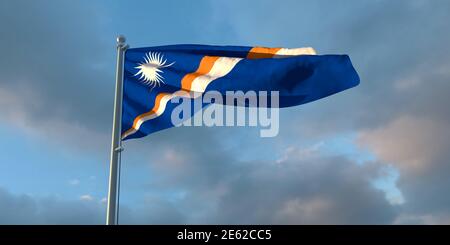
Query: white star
{"points": [[150, 69]]}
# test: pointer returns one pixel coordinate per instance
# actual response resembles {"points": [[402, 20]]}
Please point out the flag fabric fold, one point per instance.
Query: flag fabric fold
{"points": [[155, 75]]}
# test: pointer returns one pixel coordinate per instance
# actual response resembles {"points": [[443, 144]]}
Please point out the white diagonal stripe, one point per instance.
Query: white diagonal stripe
{"points": [[283, 52]]}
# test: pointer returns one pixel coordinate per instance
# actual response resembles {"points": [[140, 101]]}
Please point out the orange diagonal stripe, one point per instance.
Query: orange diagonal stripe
{"points": [[205, 66], [152, 111], [261, 52]]}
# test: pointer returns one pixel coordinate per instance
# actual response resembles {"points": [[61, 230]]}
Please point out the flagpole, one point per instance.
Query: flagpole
{"points": [[116, 145]]}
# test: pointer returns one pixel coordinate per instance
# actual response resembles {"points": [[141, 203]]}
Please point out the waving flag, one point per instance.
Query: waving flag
{"points": [[155, 75]]}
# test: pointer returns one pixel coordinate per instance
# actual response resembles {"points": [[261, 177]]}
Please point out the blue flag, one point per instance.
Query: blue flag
{"points": [[155, 75]]}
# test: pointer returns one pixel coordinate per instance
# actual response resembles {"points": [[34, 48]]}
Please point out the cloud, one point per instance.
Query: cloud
{"points": [[26, 209], [214, 187], [74, 182], [418, 147], [409, 143], [86, 197], [410, 219], [55, 79], [212, 190]]}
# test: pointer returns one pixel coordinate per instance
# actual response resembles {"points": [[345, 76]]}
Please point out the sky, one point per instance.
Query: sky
{"points": [[374, 154]]}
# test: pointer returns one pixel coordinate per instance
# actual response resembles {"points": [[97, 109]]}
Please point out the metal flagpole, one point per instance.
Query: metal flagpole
{"points": [[116, 145]]}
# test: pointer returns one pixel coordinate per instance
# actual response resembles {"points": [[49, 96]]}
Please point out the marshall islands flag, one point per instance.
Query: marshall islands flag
{"points": [[154, 75]]}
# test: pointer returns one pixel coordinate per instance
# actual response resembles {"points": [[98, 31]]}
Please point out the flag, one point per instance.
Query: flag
{"points": [[155, 75]]}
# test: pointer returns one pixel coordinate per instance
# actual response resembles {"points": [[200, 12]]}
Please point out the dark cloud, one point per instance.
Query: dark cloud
{"points": [[58, 70], [58, 77], [51, 210], [418, 147], [55, 55], [154, 210]]}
